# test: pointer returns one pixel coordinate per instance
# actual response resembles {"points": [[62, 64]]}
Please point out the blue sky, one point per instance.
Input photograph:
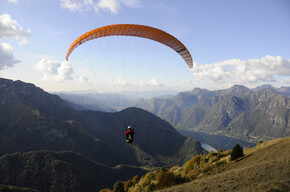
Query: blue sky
{"points": [[232, 42]]}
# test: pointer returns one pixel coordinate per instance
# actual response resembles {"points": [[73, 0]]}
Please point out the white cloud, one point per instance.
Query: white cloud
{"points": [[121, 82], [187, 81], [111, 5], [151, 83], [285, 81], [7, 58], [71, 5], [155, 83], [108, 5], [142, 83], [12, 1], [84, 80], [55, 70], [10, 29], [237, 71], [131, 3], [78, 5]]}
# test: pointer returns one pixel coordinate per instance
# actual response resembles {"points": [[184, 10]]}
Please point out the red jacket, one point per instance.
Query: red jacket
{"points": [[129, 131]]}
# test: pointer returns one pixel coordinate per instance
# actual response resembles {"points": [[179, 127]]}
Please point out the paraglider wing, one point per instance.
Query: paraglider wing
{"points": [[137, 31]]}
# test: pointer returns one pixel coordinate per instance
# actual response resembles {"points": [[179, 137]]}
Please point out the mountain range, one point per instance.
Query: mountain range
{"points": [[35, 124], [48, 144], [237, 112]]}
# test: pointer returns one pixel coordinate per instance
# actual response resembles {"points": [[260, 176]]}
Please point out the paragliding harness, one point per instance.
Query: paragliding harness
{"points": [[129, 132]]}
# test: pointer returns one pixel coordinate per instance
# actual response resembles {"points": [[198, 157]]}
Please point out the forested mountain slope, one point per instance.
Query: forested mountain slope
{"points": [[59, 171]]}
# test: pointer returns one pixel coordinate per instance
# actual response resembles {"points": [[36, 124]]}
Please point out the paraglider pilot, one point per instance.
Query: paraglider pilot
{"points": [[129, 132]]}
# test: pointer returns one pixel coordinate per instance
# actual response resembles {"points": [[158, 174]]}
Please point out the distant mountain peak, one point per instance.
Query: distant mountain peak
{"points": [[263, 87], [236, 88], [199, 91]]}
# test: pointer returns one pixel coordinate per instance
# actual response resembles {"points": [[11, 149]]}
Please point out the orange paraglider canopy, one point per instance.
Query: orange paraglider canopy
{"points": [[137, 31]]}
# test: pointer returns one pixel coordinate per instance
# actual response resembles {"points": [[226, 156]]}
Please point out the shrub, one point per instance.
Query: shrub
{"points": [[174, 169], [150, 176], [225, 153], [149, 187], [219, 150], [211, 154], [147, 179], [128, 184], [159, 175], [237, 152], [136, 179], [137, 187], [166, 179], [195, 161], [162, 169], [260, 142], [213, 159], [119, 187]]}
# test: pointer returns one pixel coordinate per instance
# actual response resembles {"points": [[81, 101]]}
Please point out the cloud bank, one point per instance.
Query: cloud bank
{"points": [[121, 82], [113, 6], [7, 58], [236, 71], [10, 29], [55, 70]]}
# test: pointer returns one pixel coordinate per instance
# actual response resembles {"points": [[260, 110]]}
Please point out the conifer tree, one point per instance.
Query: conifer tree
{"points": [[237, 152]]}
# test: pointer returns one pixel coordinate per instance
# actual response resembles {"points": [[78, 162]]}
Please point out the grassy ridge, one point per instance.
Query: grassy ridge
{"points": [[265, 167]]}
